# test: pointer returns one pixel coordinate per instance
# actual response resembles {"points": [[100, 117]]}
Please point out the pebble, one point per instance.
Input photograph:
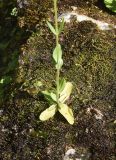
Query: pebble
{"points": [[72, 155]]}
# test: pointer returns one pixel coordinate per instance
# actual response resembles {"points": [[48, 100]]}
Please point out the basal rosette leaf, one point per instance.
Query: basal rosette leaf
{"points": [[48, 113], [66, 112], [53, 96], [65, 94], [49, 96]]}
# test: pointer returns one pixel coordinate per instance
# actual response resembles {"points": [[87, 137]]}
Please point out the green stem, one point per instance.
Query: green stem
{"points": [[57, 42]]}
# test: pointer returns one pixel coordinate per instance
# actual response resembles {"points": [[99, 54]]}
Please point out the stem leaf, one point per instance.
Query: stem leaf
{"points": [[60, 63], [51, 28], [61, 26], [62, 84], [57, 56], [57, 53]]}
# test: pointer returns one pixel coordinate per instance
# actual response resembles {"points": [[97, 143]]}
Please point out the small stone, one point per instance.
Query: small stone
{"points": [[70, 152]]}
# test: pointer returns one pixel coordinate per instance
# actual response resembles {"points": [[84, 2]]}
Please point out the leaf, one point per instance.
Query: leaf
{"points": [[65, 94], [61, 26], [111, 4], [48, 113], [59, 65], [49, 96], [62, 84], [57, 53], [66, 112], [51, 28], [2, 81], [14, 12], [5, 80], [57, 56], [53, 96]]}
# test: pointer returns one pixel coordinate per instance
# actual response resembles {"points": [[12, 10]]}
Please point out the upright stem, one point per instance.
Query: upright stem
{"points": [[57, 42], [56, 20]]}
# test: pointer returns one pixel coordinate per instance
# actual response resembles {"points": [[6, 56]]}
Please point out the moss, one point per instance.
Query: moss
{"points": [[35, 14], [89, 62], [91, 65]]}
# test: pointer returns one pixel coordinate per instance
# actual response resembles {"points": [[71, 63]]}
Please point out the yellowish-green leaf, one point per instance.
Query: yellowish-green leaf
{"points": [[60, 63], [66, 112], [49, 96], [57, 56], [53, 96], [48, 113], [57, 53], [1, 80], [65, 94], [51, 27], [62, 84]]}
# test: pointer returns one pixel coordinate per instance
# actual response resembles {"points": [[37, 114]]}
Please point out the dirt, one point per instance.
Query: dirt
{"points": [[89, 63]]}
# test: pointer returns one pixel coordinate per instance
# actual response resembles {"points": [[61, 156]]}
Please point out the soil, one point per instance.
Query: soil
{"points": [[89, 63]]}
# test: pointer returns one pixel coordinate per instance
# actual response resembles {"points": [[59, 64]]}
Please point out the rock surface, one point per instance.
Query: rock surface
{"points": [[89, 63]]}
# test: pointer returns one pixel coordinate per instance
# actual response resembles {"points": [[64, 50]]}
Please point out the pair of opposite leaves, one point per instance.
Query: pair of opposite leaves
{"points": [[62, 107]]}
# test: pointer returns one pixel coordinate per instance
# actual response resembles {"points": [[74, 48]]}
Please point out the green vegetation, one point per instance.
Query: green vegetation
{"points": [[14, 12], [61, 94], [4, 81], [111, 4]]}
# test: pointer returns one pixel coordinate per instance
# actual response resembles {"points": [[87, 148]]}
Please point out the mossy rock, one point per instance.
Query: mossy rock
{"points": [[34, 13], [89, 63], [89, 60]]}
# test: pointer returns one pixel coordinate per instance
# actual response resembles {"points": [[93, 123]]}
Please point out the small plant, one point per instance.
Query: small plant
{"points": [[4, 81], [58, 97], [14, 12]]}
